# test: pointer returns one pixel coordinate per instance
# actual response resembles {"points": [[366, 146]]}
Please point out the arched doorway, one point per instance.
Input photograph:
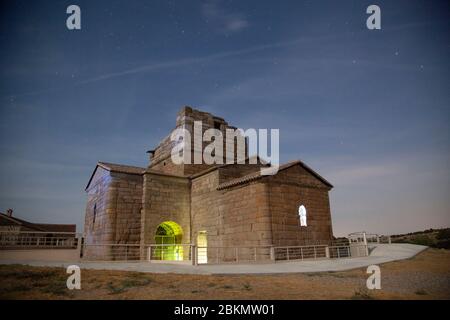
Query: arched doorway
{"points": [[168, 235], [202, 247]]}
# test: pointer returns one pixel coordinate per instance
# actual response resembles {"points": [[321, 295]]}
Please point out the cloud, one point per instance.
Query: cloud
{"points": [[364, 173], [222, 20], [193, 60]]}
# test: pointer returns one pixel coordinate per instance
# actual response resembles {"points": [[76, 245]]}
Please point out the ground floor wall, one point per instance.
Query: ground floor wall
{"points": [[288, 191], [165, 199], [113, 213], [230, 218]]}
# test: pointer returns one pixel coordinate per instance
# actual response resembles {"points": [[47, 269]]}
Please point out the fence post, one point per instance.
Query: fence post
{"points": [[389, 239], [79, 241], [149, 254], [327, 252], [365, 244], [301, 252], [255, 254], [338, 252], [348, 252], [272, 253], [287, 253], [237, 254], [194, 255], [315, 253]]}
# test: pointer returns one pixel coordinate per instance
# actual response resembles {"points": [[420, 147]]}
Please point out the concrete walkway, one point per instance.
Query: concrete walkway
{"points": [[380, 253]]}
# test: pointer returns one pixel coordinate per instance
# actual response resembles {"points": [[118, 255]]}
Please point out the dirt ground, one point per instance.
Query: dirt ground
{"points": [[426, 276]]}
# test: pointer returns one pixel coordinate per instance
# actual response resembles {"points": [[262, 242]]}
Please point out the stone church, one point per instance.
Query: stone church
{"points": [[212, 206]]}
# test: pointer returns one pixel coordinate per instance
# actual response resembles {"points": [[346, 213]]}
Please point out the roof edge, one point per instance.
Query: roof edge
{"points": [[255, 176], [107, 166]]}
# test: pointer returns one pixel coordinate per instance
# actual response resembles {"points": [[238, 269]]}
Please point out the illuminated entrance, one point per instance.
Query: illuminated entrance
{"points": [[168, 235], [202, 250]]}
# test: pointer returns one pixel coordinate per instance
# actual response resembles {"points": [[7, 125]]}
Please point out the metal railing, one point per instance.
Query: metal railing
{"points": [[218, 255], [300, 252], [169, 252], [338, 252], [238, 254], [112, 252], [367, 238], [38, 240]]}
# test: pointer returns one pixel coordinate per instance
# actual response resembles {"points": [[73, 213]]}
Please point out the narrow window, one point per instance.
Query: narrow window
{"points": [[95, 213], [302, 216]]}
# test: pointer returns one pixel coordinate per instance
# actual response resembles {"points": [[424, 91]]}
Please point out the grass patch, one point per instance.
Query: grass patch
{"points": [[28, 274], [113, 289], [421, 292], [247, 286], [58, 288], [128, 283], [19, 288], [362, 294]]}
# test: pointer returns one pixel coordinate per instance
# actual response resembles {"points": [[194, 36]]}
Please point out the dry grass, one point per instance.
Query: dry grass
{"points": [[426, 276]]}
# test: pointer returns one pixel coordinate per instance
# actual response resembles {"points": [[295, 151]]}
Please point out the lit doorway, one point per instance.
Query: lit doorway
{"points": [[168, 236], [202, 247]]}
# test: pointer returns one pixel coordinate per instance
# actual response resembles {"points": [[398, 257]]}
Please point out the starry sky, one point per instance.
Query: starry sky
{"points": [[368, 109]]}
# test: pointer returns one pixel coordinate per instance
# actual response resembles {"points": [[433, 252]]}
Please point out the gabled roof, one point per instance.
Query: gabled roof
{"points": [[257, 175], [41, 227], [114, 167], [120, 168]]}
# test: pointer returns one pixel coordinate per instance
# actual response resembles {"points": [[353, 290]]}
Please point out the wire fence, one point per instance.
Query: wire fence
{"points": [[37, 240], [238, 254], [355, 246], [300, 252], [111, 252]]}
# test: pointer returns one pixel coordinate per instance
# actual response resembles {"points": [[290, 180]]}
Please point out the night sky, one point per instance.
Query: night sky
{"points": [[368, 109]]}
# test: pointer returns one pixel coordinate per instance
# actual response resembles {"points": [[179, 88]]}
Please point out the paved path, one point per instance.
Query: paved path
{"points": [[381, 253]]}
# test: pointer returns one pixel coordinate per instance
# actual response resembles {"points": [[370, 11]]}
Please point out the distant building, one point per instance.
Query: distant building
{"points": [[212, 206], [18, 233], [8, 222]]}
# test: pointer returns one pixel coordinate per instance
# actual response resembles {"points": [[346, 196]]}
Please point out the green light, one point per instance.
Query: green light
{"points": [[168, 233]]}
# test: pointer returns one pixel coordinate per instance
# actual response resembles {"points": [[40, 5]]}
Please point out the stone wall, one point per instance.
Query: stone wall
{"points": [[117, 199], [289, 189], [161, 158], [232, 217], [99, 195], [165, 198]]}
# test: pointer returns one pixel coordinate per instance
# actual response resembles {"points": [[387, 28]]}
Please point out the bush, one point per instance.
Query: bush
{"points": [[443, 244], [423, 240], [443, 234]]}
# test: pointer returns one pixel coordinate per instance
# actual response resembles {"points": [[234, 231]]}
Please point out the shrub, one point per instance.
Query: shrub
{"points": [[443, 234]]}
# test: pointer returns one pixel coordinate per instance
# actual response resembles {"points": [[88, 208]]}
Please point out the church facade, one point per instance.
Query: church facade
{"points": [[211, 206]]}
